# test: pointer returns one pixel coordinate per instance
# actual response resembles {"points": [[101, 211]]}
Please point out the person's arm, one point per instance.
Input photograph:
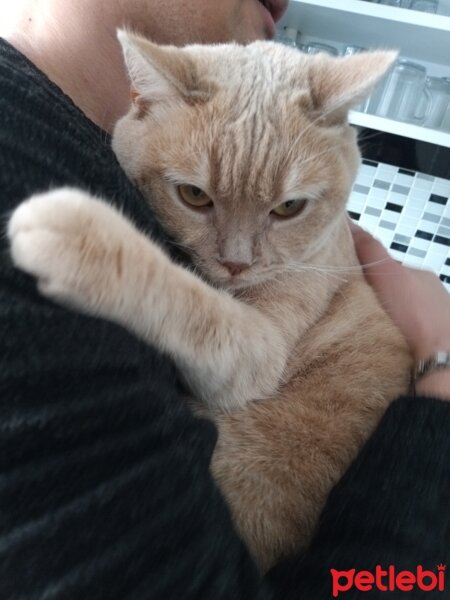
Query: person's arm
{"points": [[392, 506]]}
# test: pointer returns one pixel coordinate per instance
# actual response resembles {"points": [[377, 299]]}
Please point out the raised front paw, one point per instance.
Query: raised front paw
{"points": [[73, 244]]}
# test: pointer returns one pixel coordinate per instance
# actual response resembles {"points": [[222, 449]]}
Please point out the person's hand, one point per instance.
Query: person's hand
{"points": [[416, 301]]}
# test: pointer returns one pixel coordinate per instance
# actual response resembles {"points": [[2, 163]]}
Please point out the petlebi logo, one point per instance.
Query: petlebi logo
{"points": [[387, 580]]}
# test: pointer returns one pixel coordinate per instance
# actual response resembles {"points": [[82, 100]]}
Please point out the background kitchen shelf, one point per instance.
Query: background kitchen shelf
{"points": [[433, 136], [419, 36]]}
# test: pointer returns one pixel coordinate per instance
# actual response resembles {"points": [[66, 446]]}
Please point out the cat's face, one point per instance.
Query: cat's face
{"points": [[244, 152]]}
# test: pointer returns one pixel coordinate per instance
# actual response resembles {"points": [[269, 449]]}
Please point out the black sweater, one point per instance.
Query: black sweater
{"points": [[105, 491]]}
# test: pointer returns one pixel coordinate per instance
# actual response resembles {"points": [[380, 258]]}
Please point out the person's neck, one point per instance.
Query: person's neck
{"points": [[83, 59]]}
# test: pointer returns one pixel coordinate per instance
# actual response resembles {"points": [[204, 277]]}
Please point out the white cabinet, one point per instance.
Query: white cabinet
{"points": [[419, 36]]}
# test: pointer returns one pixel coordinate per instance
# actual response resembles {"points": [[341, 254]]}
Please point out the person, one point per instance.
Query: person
{"points": [[105, 484]]}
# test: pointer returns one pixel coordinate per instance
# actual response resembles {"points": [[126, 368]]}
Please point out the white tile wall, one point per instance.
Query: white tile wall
{"points": [[409, 212]]}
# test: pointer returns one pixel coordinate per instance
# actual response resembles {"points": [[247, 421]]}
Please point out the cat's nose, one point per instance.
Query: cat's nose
{"points": [[235, 268]]}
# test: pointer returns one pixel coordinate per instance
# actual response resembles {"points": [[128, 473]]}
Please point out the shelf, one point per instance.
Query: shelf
{"points": [[419, 35], [423, 134], [391, 13]]}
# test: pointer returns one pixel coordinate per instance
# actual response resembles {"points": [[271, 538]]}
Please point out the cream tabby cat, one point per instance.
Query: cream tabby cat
{"points": [[247, 159]]}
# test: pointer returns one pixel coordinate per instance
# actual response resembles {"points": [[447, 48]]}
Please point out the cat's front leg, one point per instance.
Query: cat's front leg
{"points": [[84, 253], [76, 246]]}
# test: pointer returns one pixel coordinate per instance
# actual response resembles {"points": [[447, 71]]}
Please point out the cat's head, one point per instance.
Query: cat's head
{"points": [[244, 152]]}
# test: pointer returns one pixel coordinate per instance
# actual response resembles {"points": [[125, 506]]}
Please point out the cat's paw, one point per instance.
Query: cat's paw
{"points": [[70, 241]]}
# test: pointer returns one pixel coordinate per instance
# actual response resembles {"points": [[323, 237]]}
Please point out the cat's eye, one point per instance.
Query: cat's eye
{"points": [[290, 208], [194, 196]]}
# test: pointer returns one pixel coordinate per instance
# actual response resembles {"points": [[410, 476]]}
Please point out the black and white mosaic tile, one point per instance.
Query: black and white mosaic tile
{"points": [[408, 211]]}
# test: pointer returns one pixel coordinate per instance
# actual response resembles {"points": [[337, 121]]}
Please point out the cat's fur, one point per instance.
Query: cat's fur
{"points": [[294, 357]]}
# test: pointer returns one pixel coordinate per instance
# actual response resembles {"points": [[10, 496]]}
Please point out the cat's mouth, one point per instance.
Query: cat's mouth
{"points": [[248, 278]]}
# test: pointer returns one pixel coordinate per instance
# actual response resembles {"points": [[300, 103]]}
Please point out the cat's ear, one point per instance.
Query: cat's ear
{"points": [[338, 84], [161, 73]]}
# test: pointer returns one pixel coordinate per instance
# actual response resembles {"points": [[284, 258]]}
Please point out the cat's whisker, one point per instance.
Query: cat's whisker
{"points": [[289, 155], [331, 148], [368, 136], [181, 246], [299, 269], [349, 269], [316, 156], [332, 108], [316, 270]]}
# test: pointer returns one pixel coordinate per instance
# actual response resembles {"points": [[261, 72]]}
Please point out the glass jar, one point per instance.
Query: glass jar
{"points": [[429, 6], [400, 93], [439, 89], [316, 48], [350, 50]]}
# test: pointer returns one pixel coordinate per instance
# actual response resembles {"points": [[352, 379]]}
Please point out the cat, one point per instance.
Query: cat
{"points": [[247, 159]]}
